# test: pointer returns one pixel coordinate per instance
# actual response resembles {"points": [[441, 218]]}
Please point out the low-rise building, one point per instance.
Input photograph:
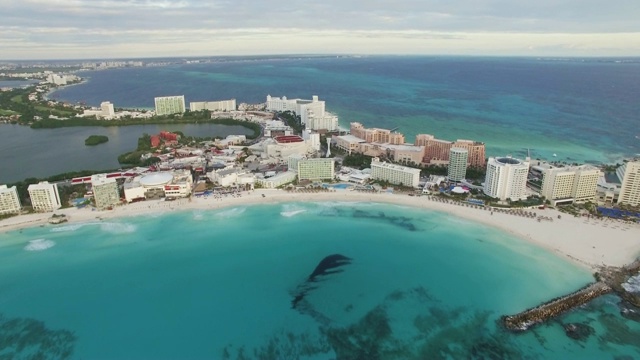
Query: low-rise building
{"points": [[9, 200], [44, 196], [278, 179], [395, 174]]}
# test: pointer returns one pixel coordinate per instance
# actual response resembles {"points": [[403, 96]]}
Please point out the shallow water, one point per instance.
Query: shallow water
{"points": [[220, 284]]}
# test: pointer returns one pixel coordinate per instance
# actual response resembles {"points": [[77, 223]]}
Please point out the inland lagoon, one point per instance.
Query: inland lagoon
{"points": [[314, 280]]}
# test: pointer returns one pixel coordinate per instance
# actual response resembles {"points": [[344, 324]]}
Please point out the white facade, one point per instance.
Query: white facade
{"points": [[105, 191], [107, 109], [327, 122], [221, 105], [457, 169], [278, 127], [44, 196], [9, 200], [167, 105], [312, 112], [231, 176], [278, 180], [630, 190], [506, 178], [312, 138], [316, 169], [281, 104], [578, 184], [395, 174]]}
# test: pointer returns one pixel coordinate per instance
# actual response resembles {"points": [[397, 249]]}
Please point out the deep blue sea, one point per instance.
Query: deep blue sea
{"points": [[221, 284], [582, 110]]}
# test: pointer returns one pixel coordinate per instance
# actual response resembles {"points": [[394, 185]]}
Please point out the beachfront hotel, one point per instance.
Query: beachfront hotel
{"points": [[570, 184], [44, 196], [394, 174], [316, 169], [9, 200], [506, 178], [457, 169], [221, 105], [167, 105], [105, 191], [312, 112], [376, 135], [629, 174], [278, 179], [437, 151]]}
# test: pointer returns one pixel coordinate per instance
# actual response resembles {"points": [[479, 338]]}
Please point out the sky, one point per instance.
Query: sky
{"points": [[81, 29]]}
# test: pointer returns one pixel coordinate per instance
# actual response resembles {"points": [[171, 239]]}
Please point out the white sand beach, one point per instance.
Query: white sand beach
{"points": [[589, 242]]}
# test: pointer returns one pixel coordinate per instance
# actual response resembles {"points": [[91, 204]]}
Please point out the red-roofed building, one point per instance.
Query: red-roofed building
{"points": [[155, 141], [287, 139]]}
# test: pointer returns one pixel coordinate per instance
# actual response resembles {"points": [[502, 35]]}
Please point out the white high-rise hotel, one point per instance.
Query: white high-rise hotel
{"points": [[312, 112], [168, 105], [457, 170], [316, 169], [570, 184], [44, 196], [506, 178], [629, 174], [9, 200], [395, 174]]}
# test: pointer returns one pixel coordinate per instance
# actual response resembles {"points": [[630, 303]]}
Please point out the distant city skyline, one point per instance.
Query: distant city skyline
{"points": [[77, 29]]}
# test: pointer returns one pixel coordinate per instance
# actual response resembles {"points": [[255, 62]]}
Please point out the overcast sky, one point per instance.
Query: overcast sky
{"points": [[62, 29]]}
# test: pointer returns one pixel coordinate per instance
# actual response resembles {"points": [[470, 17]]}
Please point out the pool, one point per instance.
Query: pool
{"points": [[341, 186]]}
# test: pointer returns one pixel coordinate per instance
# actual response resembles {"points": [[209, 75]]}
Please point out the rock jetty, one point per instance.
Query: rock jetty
{"points": [[609, 280]]}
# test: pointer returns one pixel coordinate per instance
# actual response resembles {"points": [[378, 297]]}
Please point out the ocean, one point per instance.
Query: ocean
{"points": [[245, 282], [573, 110]]}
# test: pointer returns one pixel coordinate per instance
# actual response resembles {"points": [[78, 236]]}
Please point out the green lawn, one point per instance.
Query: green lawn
{"points": [[4, 112], [17, 99], [53, 111]]}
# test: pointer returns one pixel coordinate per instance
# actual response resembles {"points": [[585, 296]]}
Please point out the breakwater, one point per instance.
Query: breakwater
{"points": [[609, 279]]}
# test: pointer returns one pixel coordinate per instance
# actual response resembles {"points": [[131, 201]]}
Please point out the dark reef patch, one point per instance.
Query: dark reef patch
{"points": [[22, 338], [327, 266]]}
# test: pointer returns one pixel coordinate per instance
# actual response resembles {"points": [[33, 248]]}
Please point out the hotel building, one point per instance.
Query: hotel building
{"points": [[506, 178], [437, 151], [168, 105], [376, 135], [221, 105], [105, 191], [629, 174], [571, 184], [9, 200], [316, 169], [457, 169], [395, 174], [312, 112], [278, 180], [44, 196]]}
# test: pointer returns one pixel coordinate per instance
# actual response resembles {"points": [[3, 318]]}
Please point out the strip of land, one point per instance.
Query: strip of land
{"points": [[591, 243]]}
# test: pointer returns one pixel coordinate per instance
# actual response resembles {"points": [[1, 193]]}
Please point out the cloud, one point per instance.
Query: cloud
{"points": [[407, 26]]}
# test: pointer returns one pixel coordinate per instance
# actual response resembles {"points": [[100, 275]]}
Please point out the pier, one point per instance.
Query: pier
{"points": [[609, 280]]}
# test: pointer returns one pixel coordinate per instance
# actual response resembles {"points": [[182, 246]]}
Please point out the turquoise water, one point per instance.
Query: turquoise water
{"points": [[219, 284]]}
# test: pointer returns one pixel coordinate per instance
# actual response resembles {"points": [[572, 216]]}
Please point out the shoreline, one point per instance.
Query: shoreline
{"points": [[589, 243]]}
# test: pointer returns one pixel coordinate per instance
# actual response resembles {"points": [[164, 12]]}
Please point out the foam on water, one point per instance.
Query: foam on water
{"points": [[39, 245], [290, 210], [632, 285], [70, 228], [230, 213], [118, 228]]}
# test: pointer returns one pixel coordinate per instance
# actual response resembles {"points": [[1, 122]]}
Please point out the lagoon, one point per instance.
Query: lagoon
{"points": [[26, 152]]}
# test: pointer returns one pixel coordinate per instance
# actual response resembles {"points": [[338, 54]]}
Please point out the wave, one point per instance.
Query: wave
{"points": [[118, 228], [632, 285], [292, 213], [67, 228], [39, 245], [231, 213], [198, 215]]}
